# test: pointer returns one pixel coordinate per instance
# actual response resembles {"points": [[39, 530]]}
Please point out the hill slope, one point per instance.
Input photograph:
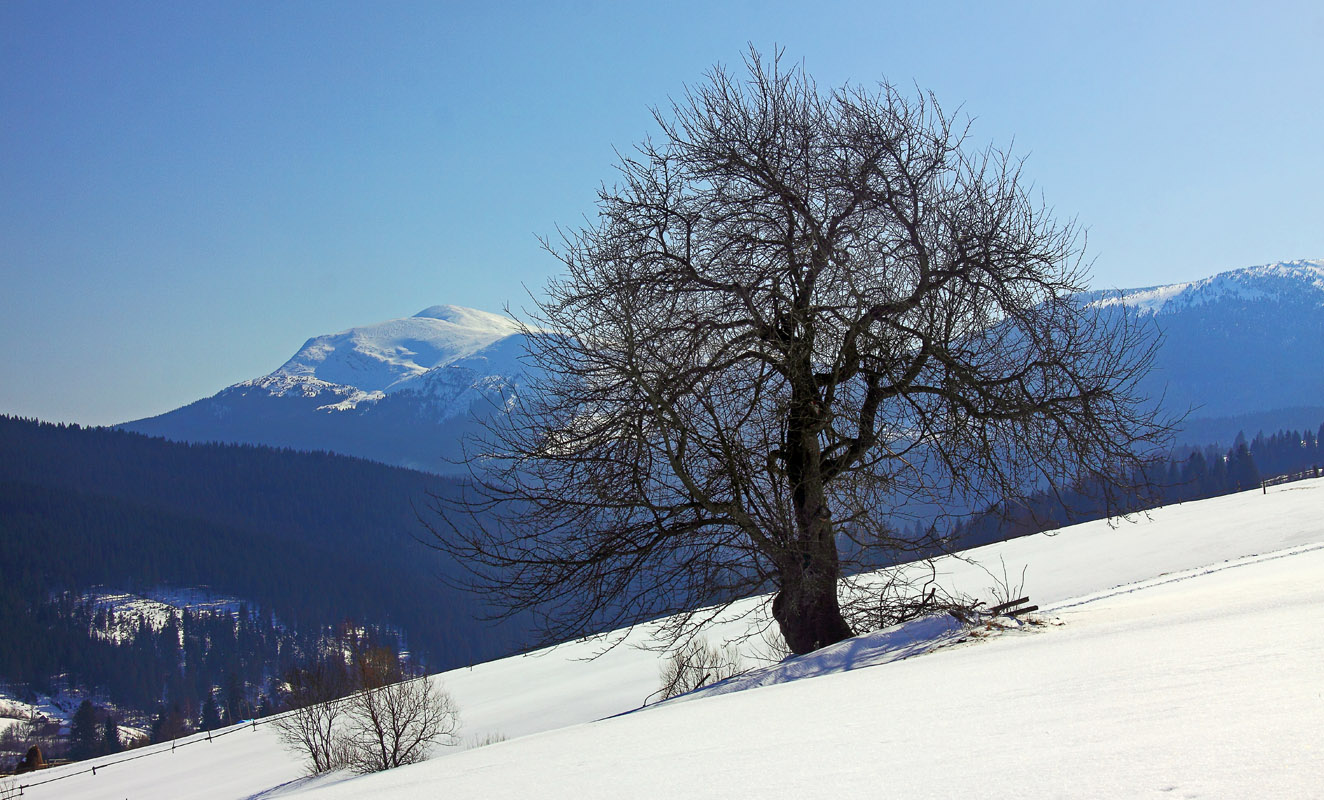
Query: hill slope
{"points": [[317, 539], [1183, 637]]}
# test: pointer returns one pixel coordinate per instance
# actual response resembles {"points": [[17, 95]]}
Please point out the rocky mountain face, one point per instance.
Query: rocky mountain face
{"points": [[1242, 348]]}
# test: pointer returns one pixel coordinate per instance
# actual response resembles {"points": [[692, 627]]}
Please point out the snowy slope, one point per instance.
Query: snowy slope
{"points": [[1185, 664]]}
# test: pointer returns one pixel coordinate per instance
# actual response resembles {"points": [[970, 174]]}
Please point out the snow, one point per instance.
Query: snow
{"points": [[448, 356], [1268, 281], [1180, 657], [156, 607], [388, 356]]}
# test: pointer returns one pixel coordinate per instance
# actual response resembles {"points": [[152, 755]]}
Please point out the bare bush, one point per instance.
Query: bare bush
{"points": [[893, 596], [695, 664], [491, 737], [399, 724], [1005, 589], [771, 647], [311, 727]]}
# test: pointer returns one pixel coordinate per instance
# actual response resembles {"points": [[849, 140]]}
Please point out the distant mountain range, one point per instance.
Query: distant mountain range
{"points": [[1241, 347], [1243, 350]]}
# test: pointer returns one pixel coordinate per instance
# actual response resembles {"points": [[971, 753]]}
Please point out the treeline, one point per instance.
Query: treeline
{"points": [[311, 539], [182, 671], [187, 659], [1189, 474]]}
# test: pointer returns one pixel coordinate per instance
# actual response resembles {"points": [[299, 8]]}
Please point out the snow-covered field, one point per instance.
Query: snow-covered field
{"points": [[1180, 657]]}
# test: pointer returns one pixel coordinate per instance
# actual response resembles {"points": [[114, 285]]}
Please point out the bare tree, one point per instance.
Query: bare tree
{"points": [[796, 312], [365, 715], [312, 725], [399, 724]]}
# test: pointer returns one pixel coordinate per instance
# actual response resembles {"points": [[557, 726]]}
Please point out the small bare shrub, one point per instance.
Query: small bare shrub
{"points": [[399, 724], [893, 596], [492, 737], [695, 664], [771, 647], [1005, 589]]}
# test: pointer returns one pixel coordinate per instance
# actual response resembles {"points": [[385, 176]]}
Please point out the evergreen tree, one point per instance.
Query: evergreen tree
{"points": [[170, 724], [84, 733], [110, 737], [211, 716], [1241, 471]]}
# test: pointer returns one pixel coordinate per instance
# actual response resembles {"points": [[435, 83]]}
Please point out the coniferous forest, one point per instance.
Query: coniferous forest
{"points": [[309, 542]]}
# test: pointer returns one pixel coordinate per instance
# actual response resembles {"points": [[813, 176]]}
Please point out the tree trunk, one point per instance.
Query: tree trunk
{"points": [[806, 607]]}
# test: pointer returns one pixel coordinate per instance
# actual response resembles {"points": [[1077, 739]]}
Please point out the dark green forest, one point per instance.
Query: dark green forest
{"points": [[311, 540]]}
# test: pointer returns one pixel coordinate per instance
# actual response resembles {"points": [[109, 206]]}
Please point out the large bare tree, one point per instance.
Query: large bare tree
{"points": [[795, 311]]}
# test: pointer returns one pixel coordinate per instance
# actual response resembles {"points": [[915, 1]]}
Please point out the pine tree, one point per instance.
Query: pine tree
{"points": [[1241, 471], [211, 717], [110, 737], [84, 733]]}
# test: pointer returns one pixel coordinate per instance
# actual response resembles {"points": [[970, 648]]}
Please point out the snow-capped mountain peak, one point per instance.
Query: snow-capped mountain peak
{"points": [[388, 356], [1301, 280], [399, 391], [468, 318]]}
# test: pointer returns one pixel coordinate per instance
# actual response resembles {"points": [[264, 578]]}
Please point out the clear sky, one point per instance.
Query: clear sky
{"points": [[188, 191]]}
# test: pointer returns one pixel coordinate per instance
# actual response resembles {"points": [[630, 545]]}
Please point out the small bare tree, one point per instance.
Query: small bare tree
{"points": [[796, 312], [365, 715], [399, 724], [694, 664], [312, 725]]}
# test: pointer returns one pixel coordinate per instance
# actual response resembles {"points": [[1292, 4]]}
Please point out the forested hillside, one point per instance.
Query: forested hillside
{"points": [[310, 539]]}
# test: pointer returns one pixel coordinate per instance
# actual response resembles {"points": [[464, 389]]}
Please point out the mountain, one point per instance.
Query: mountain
{"points": [[403, 392], [1242, 351]]}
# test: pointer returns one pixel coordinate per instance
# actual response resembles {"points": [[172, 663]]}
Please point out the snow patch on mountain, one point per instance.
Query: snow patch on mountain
{"points": [[284, 385], [1283, 280], [443, 359], [389, 356]]}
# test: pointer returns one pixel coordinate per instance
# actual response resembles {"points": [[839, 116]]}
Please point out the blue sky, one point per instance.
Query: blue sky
{"points": [[188, 191]]}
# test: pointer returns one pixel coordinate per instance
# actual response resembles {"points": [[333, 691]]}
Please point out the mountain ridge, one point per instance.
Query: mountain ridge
{"points": [[1263, 282], [408, 391]]}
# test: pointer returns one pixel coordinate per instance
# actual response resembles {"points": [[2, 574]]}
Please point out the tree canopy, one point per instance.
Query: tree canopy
{"points": [[796, 312]]}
